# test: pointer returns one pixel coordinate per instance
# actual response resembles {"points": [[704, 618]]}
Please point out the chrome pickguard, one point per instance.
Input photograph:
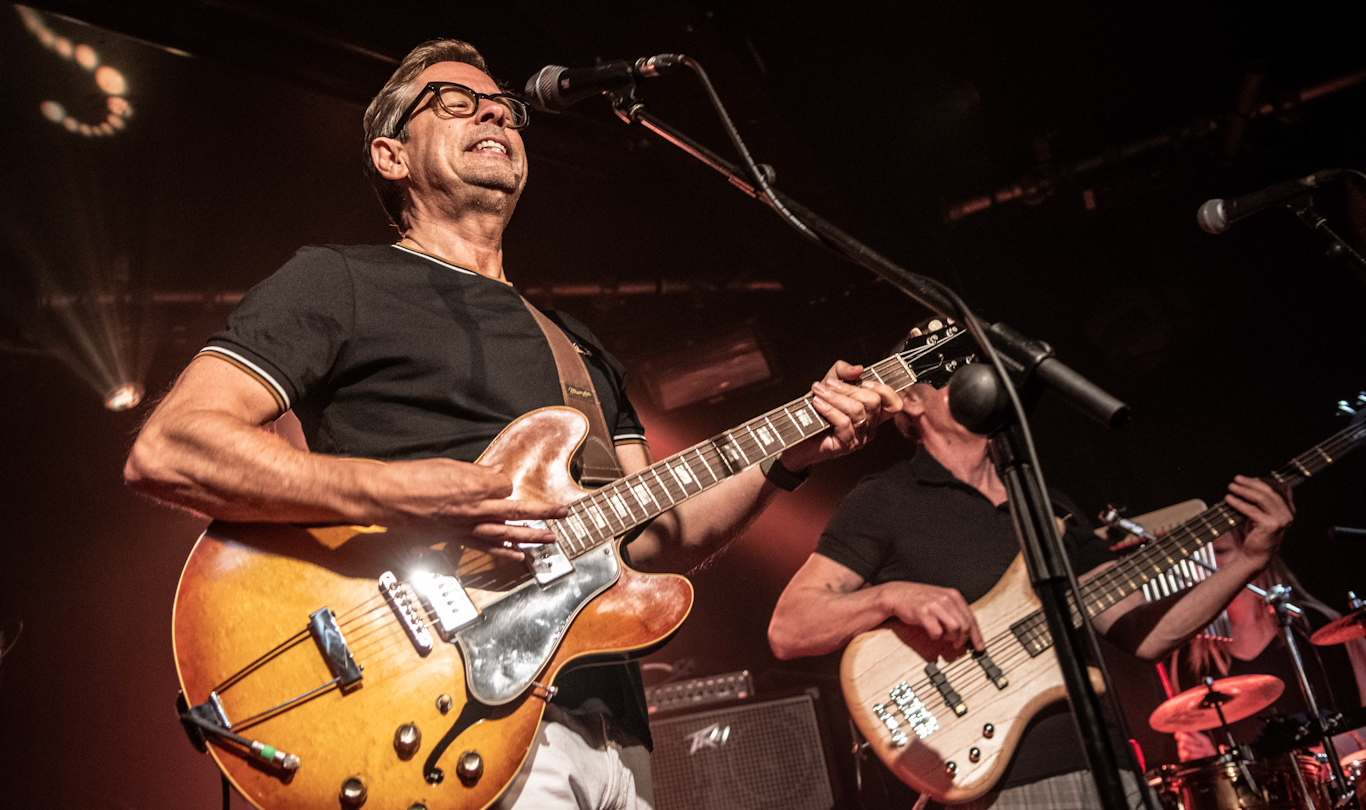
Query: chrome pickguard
{"points": [[512, 644]]}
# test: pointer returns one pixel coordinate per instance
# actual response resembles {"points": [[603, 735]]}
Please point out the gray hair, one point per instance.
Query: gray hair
{"points": [[394, 97]]}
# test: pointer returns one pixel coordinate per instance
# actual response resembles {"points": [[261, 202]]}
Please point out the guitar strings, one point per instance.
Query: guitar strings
{"points": [[1301, 467]]}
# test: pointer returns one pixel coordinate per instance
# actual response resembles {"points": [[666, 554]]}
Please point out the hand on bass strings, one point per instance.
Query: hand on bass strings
{"points": [[472, 500], [942, 613], [1269, 510], [853, 409]]}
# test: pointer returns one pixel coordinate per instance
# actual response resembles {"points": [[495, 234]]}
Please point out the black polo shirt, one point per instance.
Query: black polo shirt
{"points": [[390, 354], [915, 522]]}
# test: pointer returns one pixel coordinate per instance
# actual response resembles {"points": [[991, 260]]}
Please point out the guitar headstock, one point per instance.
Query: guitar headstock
{"points": [[936, 350]]}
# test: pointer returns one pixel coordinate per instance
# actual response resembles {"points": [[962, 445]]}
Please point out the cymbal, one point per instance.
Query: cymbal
{"points": [[1353, 758], [1240, 696], [1351, 626]]}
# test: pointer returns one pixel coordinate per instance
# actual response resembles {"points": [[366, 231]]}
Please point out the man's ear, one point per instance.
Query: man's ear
{"points": [[390, 158], [911, 402]]}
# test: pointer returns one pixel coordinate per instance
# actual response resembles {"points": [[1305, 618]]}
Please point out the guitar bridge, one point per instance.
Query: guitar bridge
{"points": [[920, 718], [408, 611]]}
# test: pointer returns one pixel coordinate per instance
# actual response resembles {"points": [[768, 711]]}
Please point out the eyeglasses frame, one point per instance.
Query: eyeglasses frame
{"points": [[435, 87]]}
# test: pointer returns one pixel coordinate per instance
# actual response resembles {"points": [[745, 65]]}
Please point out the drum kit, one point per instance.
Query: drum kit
{"points": [[1282, 770]]}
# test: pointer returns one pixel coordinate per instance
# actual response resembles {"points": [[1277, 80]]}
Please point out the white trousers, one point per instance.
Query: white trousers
{"points": [[581, 762]]}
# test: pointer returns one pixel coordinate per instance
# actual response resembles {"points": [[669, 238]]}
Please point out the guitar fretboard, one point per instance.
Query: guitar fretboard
{"points": [[1128, 575], [628, 502]]}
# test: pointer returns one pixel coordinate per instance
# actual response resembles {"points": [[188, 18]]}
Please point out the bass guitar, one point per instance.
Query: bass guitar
{"points": [[345, 665], [948, 729]]}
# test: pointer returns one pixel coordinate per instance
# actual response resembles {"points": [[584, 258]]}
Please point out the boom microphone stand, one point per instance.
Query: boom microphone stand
{"points": [[1018, 359]]}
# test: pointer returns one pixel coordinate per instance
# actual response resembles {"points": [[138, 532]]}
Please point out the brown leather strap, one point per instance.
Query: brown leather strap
{"points": [[598, 456]]}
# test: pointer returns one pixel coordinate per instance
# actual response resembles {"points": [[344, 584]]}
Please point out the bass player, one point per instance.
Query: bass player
{"points": [[418, 354], [921, 540]]}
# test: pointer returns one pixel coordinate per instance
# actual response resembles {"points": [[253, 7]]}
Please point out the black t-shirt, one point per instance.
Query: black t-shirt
{"points": [[390, 354], [915, 522], [1329, 670]]}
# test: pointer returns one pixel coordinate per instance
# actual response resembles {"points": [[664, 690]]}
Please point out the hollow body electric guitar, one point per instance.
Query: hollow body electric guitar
{"points": [[341, 666], [949, 729]]}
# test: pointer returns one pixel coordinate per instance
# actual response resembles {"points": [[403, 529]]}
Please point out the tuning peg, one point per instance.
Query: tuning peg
{"points": [[1361, 398], [1344, 409]]}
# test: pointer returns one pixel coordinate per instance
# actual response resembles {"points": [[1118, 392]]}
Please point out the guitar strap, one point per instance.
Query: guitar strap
{"points": [[598, 457]]}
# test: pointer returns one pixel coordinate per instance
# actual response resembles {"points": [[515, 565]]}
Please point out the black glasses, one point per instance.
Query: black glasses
{"points": [[459, 101]]}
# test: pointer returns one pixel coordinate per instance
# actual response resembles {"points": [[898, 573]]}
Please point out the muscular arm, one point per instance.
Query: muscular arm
{"points": [[686, 536], [203, 449], [1151, 631], [825, 605]]}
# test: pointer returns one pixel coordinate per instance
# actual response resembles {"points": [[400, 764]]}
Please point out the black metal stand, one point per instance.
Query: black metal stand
{"points": [[1051, 574], [1019, 358], [1279, 599], [1318, 223]]}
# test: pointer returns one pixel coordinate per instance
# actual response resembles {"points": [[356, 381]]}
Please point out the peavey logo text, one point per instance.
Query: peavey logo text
{"points": [[713, 736]]}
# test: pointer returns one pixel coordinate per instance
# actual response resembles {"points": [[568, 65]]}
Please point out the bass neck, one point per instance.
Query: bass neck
{"points": [[1157, 557]]}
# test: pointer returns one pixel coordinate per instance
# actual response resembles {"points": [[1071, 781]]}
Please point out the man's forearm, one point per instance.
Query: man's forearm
{"points": [[815, 621], [229, 470], [685, 537], [1153, 631]]}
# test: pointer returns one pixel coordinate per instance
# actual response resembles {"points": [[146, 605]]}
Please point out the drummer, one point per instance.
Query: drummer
{"points": [[1337, 673]]}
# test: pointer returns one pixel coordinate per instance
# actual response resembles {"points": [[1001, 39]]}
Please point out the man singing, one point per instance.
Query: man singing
{"points": [[920, 541], [418, 354]]}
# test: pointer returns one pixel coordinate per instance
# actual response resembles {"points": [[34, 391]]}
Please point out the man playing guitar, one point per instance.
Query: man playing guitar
{"points": [[418, 354], [920, 541]]}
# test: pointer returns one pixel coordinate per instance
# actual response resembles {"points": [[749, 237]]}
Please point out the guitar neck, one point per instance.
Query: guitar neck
{"points": [[1156, 558], [628, 502]]}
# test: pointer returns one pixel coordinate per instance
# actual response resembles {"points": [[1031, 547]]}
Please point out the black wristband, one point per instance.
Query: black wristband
{"points": [[780, 476]]}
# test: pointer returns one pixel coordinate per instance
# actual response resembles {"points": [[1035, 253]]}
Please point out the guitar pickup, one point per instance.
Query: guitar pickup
{"points": [[323, 625], [448, 601], [993, 672], [941, 682], [546, 561]]}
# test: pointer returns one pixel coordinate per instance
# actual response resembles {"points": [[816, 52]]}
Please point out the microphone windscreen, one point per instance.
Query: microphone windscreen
{"points": [[542, 90], [1211, 217]]}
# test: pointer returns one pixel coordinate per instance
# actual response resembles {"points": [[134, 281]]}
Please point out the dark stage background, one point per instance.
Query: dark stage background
{"points": [[244, 143]]}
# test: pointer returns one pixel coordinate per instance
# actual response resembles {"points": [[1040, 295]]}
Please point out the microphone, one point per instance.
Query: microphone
{"points": [[1216, 215], [555, 87]]}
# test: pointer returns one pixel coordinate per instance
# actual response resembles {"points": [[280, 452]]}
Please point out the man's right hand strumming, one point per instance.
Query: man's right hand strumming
{"points": [[473, 500], [942, 613]]}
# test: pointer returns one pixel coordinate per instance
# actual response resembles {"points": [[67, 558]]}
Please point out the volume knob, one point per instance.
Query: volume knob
{"points": [[469, 767], [407, 739], [353, 792]]}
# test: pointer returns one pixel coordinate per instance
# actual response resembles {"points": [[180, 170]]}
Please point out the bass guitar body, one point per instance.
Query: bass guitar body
{"points": [[402, 673], [950, 731]]}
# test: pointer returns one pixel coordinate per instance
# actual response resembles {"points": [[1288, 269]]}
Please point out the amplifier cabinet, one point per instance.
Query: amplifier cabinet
{"points": [[743, 756]]}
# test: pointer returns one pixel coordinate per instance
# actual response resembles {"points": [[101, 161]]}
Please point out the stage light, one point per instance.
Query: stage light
{"points": [[123, 396], [86, 58], [110, 81]]}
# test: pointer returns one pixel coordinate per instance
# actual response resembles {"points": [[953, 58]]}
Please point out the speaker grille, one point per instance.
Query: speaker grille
{"points": [[757, 755]]}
